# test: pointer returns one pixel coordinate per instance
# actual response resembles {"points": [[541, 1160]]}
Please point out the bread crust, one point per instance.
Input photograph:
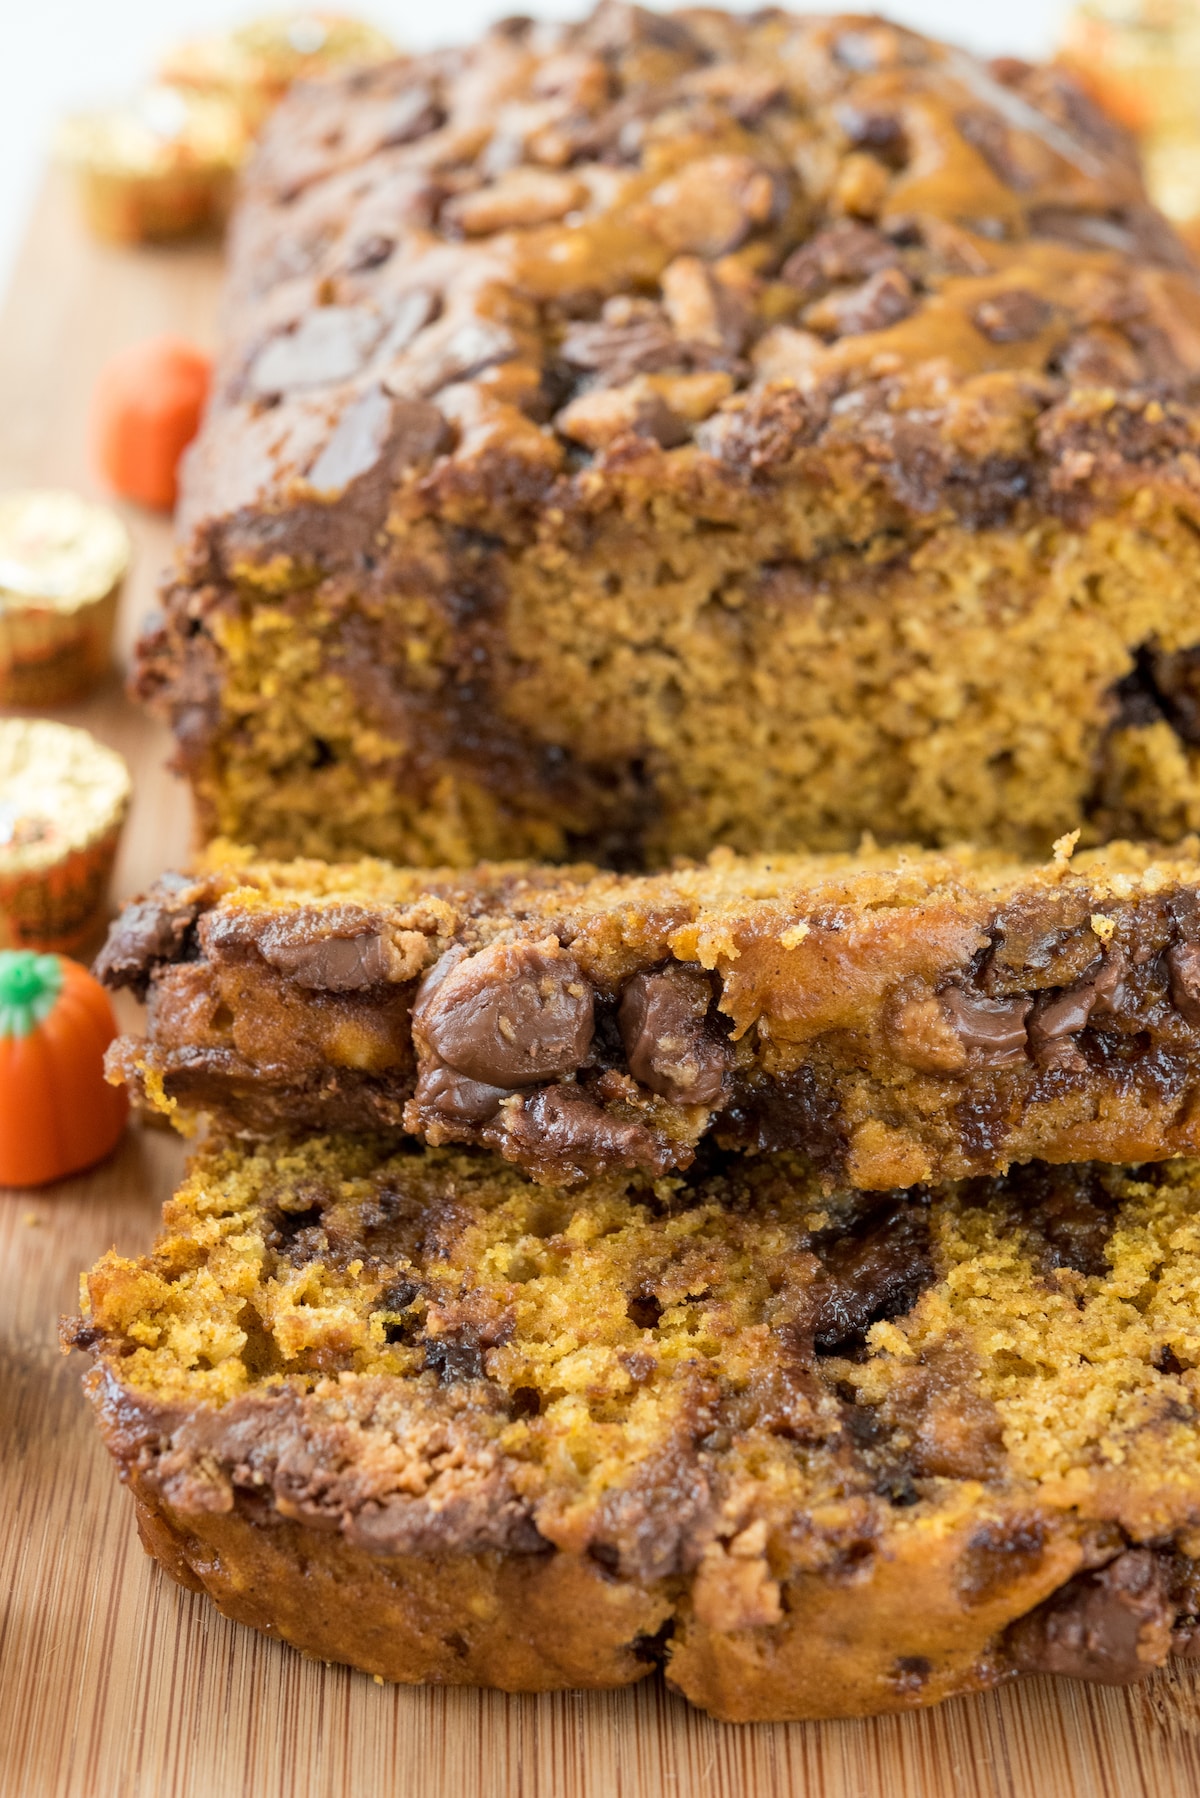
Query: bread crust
{"points": [[515, 1623]]}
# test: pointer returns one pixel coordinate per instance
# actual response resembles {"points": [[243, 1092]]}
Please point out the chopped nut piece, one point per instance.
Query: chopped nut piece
{"points": [[712, 205], [521, 198], [660, 406]]}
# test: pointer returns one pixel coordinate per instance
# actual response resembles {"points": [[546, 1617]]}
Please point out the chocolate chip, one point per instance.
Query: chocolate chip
{"points": [[873, 129], [993, 1030], [1076, 1231], [74, 1333], [398, 1296], [652, 1651], [1013, 316], [1000, 1554], [668, 1045], [910, 1672], [453, 1360], [329, 344], [1057, 1018], [651, 416], [1112, 1627], [452, 1096], [1161, 684], [509, 1016], [1134, 700], [1055, 1021], [1183, 968], [294, 1232], [1108, 986], [333, 964], [868, 1278], [644, 1310], [412, 114], [1177, 684], [370, 252], [152, 930], [1099, 357], [560, 1135], [1065, 1212], [846, 251], [398, 1299], [618, 349], [958, 1434], [882, 300], [899, 1489]]}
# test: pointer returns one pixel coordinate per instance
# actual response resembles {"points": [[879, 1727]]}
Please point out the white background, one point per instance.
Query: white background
{"points": [[59, 53]]}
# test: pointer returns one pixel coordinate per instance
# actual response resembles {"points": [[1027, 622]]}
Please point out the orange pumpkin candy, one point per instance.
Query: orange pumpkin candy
{"points": [[57, 1112], [145, 411]]}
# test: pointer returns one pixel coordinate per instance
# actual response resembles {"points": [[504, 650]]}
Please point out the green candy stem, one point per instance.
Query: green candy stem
{"points": [[29, 989]]}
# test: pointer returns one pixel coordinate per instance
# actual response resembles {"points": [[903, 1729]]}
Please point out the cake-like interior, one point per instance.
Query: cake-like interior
{"points": [[816, 1454], [661, 431], [895, 1018]]}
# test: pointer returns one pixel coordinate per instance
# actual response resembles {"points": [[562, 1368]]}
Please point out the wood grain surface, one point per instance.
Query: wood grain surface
{"points": [[114, 1683]]}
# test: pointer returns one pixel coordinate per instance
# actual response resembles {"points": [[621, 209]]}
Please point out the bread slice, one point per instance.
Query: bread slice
{"points": [[895, 1017], [816, 1455]]}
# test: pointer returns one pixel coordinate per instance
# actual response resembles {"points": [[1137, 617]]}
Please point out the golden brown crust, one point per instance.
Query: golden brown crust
{"points": [[480, 1620], [896, 1018], [818, 1455]]}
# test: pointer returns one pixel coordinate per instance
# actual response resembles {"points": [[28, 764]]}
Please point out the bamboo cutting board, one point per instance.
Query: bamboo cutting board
{"points": [[114, 1683]]}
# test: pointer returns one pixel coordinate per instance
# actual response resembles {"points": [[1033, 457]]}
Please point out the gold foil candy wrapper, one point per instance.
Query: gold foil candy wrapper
{"points": [[62, 562], [160, 166], [63, 803], [254, 65]]}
